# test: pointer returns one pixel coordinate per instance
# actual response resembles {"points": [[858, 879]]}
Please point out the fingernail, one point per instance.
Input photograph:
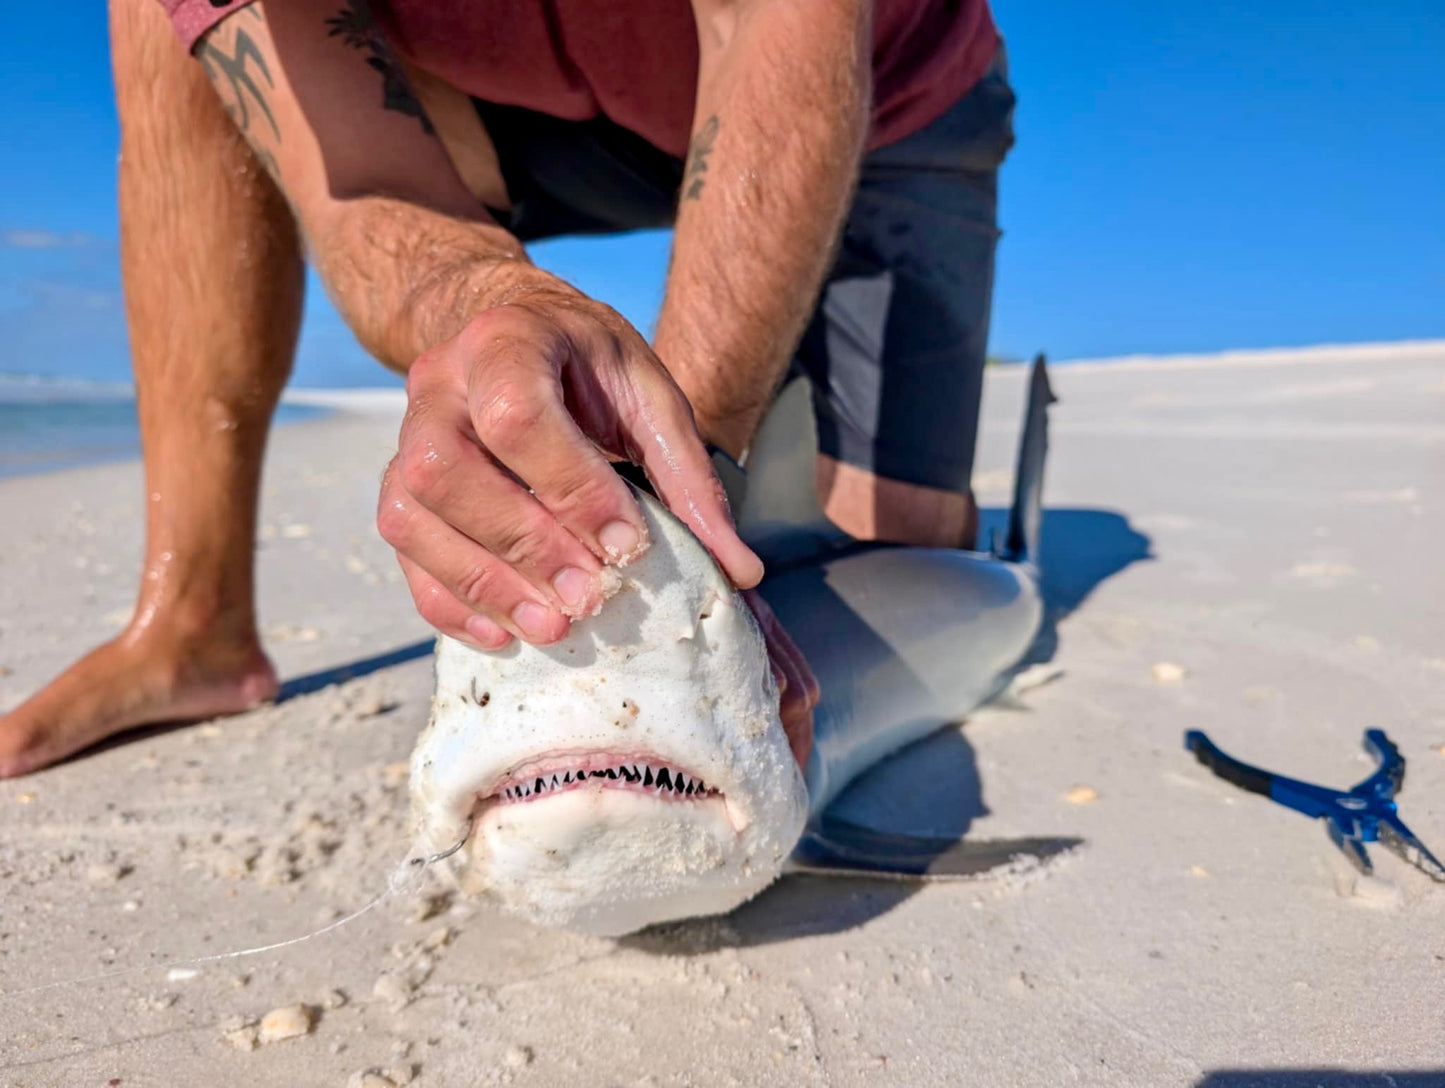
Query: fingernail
{"points": [[752, 569], [572, 585], [486, 632], [618, 539], [533, 619]]}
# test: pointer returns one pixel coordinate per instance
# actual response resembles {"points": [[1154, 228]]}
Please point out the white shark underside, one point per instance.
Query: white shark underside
{"points": [[565, 759]]}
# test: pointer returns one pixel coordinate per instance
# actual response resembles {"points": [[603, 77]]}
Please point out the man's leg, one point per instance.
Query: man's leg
{"points": [[896, 351], [213, 286]]}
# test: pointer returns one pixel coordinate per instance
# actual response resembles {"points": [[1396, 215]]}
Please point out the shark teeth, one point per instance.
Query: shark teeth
{"points": [[657, 779]]}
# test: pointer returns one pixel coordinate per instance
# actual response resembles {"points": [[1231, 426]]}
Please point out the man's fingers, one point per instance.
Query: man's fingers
{"points": [[796, 709], [476, 578], [798, 690], [803, 685], [798, 725], [780, 676], [501, 495], [520, 414], [463, 486], [808, 688], [677, 463], [447, 614]]}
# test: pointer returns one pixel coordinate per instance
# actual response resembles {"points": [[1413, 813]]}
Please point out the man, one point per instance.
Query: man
{"points": [[829, 166]]}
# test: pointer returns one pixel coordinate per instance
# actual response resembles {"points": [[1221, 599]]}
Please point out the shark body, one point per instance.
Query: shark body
{"points": [[637, 771]]}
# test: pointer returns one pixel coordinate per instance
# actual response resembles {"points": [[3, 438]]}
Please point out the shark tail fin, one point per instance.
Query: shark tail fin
{"points": [[1022, 542]]}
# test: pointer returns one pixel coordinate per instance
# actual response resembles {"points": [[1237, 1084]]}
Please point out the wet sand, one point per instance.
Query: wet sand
{"points": [[1247, 545]]}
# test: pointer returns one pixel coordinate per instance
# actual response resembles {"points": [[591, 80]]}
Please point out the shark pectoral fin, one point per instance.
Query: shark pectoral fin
{"points": [[840, 848]]}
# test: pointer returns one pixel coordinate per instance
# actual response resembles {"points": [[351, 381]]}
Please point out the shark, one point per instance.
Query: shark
{"points": [[637, 771]]}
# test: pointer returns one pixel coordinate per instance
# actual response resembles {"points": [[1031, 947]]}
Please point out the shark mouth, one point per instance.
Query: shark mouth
{"points": [[650, 776]]}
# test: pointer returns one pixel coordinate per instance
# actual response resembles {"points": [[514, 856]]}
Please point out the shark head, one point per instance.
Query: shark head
{"points": [[635, 772]]}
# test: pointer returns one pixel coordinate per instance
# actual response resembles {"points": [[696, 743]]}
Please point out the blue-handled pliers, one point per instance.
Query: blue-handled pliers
{"points": [[1353, 817]]}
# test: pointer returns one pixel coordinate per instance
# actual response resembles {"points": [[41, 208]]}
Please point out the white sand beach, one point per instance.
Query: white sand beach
{"points": [[1248, 545]]}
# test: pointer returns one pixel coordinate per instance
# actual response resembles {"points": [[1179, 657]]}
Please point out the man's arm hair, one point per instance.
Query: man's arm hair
{"points": [[406, 251], [784, 88]]}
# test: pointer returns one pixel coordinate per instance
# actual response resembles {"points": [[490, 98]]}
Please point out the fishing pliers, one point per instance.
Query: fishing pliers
{"points": [[1352, 817]]}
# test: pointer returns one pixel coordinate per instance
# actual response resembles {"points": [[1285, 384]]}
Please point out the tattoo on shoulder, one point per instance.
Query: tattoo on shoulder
{"points": [[355, 24], [701, 147]]}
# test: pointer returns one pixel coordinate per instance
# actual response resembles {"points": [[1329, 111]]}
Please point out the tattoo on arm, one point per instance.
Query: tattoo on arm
{"points": [[241, 90], [355, 24], [695, 174]]}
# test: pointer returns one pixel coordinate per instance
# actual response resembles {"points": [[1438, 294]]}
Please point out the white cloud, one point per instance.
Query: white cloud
{"points": [[43, 239]]}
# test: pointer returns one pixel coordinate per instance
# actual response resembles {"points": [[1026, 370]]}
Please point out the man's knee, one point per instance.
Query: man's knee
{"points": [[871, 507]]}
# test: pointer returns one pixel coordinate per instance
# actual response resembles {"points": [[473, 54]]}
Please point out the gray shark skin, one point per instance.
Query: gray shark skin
{"points": [[903, 640], [560, 765]]}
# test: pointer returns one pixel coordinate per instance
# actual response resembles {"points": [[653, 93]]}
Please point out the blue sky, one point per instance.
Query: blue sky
{"points": [[1188, 177]]}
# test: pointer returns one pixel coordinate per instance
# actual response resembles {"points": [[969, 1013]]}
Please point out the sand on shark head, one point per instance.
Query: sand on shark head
{"points": [[632, 773]]}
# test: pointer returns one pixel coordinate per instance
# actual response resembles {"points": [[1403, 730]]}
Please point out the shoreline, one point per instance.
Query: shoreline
{"points": [[1382, 351], [41, 437], [312, 404]]}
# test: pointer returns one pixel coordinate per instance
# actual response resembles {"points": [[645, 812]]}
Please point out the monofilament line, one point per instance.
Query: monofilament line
{"points": [[394, 885]]}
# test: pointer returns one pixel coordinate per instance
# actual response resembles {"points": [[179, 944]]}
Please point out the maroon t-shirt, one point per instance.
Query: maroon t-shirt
{"points": [[635, 61]]}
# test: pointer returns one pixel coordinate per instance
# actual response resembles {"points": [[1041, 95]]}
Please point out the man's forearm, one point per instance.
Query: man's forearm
{"points": [[408, 278], [783, 112]]}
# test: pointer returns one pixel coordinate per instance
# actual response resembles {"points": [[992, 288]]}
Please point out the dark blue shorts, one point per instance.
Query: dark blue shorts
{"points": [[895, 350]]}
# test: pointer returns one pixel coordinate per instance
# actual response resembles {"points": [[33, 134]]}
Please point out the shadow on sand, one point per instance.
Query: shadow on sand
{"points": [[1322, 1078], [291, 689], [930, 789], [352, 670]]}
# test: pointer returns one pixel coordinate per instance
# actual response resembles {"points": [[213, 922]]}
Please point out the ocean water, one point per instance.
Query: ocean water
{"points": [[48, 424]]}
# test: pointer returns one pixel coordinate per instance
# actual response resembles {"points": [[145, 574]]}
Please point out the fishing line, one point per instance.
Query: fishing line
{"points": [[400, 881]]}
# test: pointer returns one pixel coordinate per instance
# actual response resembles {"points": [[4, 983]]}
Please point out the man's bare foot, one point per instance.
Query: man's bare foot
{"points": [[140, 678]]}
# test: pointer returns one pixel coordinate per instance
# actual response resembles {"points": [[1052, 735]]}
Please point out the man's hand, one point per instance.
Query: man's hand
{"points": [[501, 502], [797, 686]]}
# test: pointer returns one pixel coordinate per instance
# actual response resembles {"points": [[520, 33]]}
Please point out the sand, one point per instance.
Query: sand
{"points": [[1250, 548]]}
